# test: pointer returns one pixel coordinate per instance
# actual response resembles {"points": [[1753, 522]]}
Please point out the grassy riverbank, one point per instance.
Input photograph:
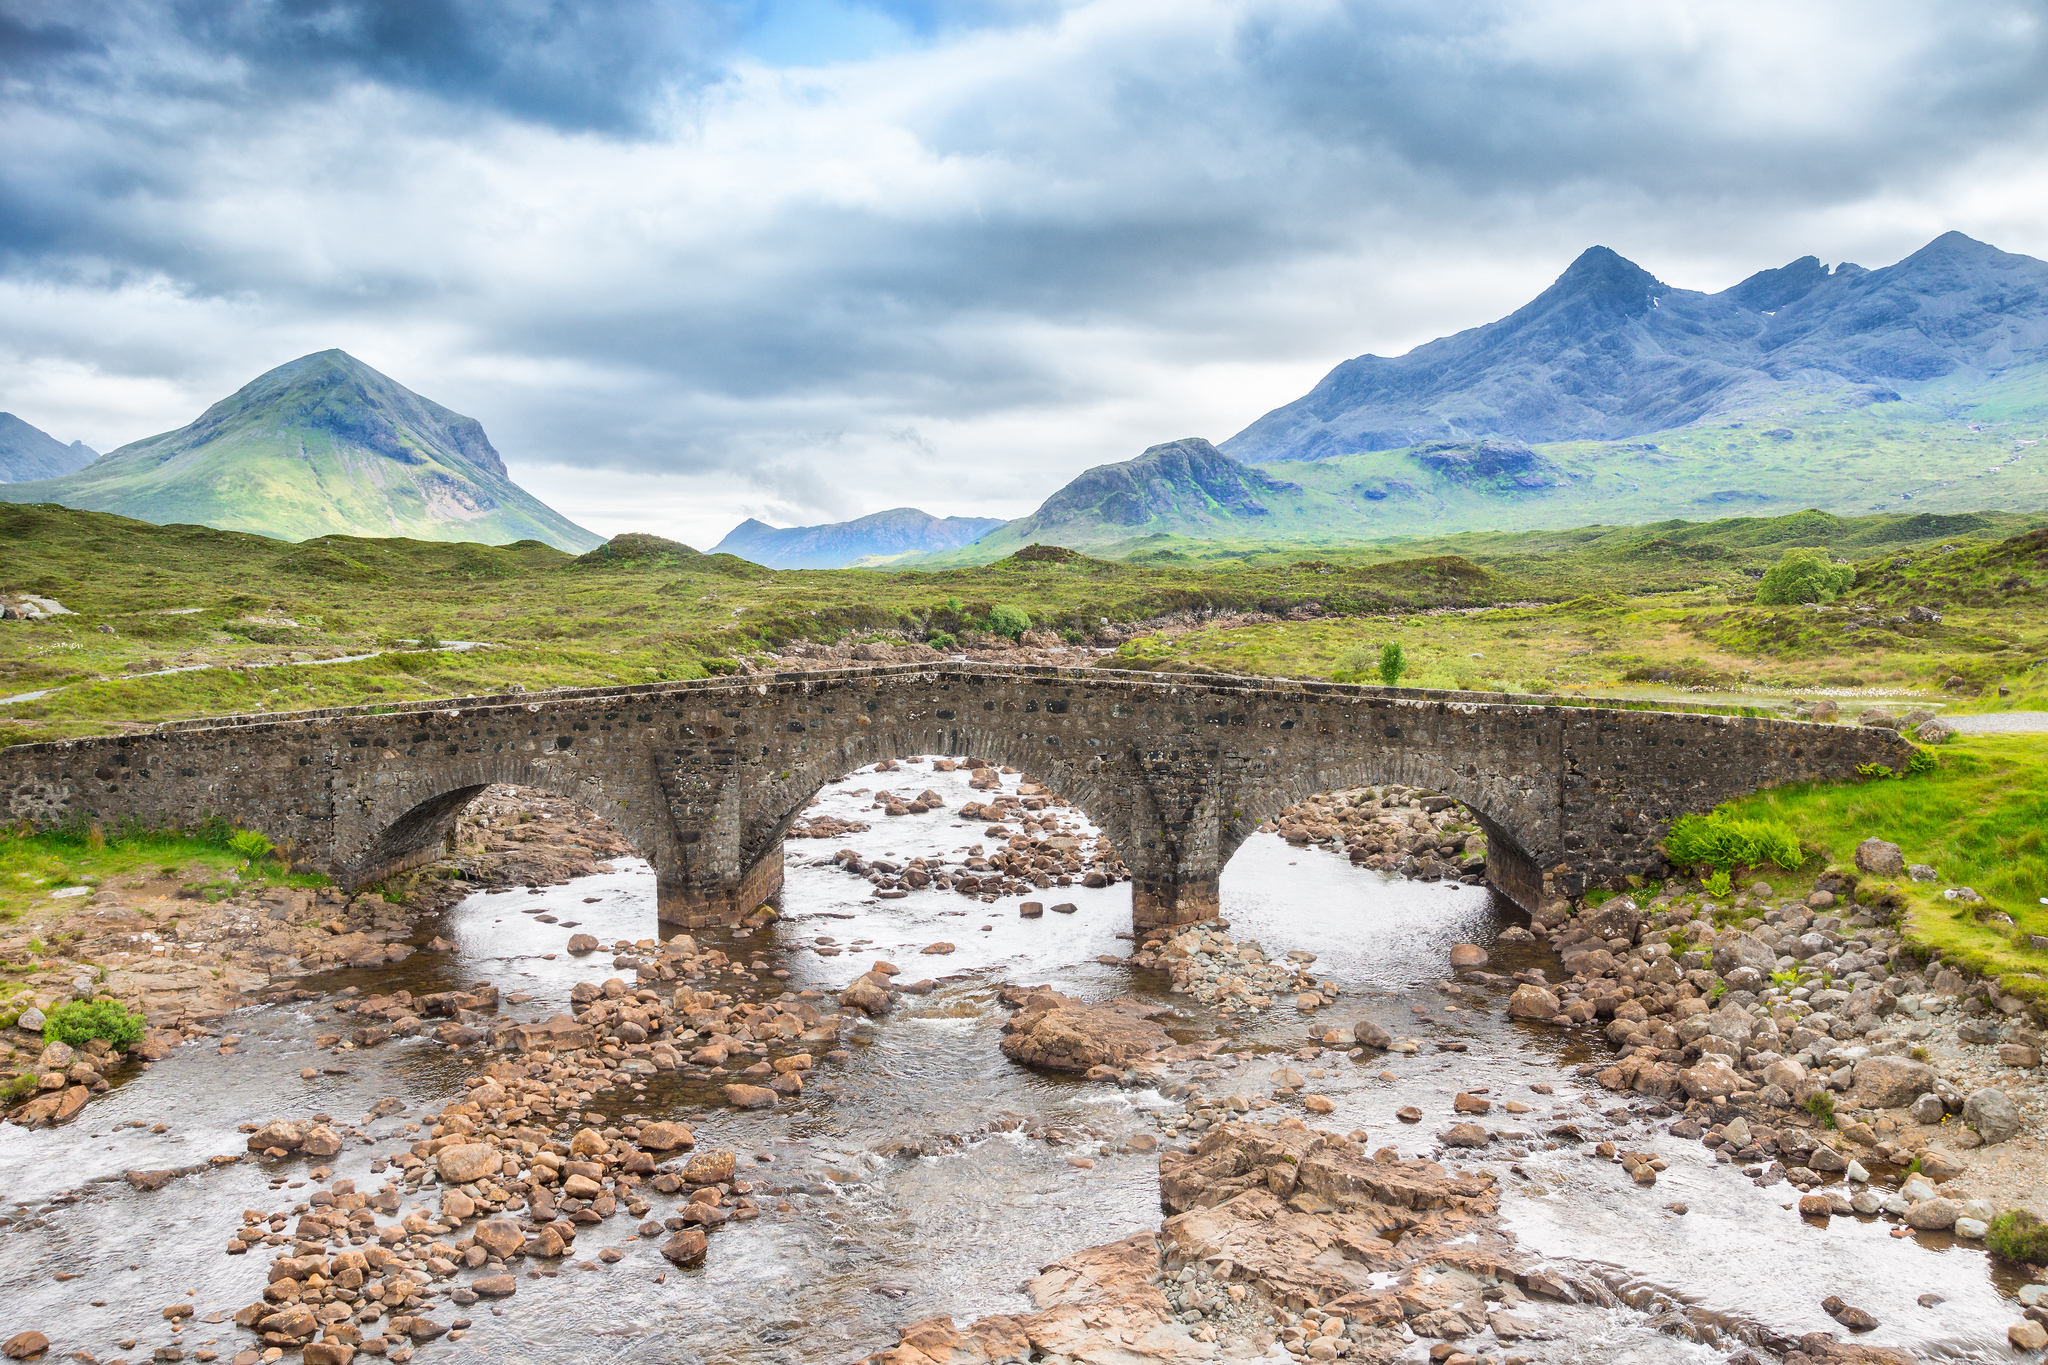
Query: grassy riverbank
{"points": [[1979, 818]]}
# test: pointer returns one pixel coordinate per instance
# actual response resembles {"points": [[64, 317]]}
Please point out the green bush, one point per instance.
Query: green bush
{"points": [[941, 641], [1010, 621], [2019, 1236], [82, 1021], [1723, 841], [1803, 575], [1821, 1104], [1393, 662], [1717, 885]]}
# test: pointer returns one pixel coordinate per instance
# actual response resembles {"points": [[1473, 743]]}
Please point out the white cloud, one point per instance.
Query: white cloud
{"points": [[1040, 248]]}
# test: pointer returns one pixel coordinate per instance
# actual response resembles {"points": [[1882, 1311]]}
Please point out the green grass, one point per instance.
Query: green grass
{"points": [[1980, 818], [34, 865]]}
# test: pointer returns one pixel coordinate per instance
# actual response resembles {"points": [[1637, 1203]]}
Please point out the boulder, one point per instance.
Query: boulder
{"points": [[495, 1286], [1934, 732], [665, 1137], [1369, 1034], [686, 1247], [1617, 918], [1739, 949], [1890, 1082], [1063, 1034], [500, 1237], [1531, 1001], [288, 1134], [1933, 1215], [868, 993], [710, 1168], [1468, 955], [1880, 859], [467, 1161], [26, 1345], [1993, 1114], [1710, 1080], [750, 1097], [321, 1141], [1464, 1135]]}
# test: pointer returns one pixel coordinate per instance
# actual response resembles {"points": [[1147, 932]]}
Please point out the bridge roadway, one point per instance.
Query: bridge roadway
{"points": [[704, 777]]}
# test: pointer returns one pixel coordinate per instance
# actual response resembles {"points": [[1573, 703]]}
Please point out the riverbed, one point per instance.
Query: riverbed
{"points": [[928, 1175]]}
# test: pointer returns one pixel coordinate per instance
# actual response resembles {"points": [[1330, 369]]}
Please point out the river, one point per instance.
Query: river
{"points": [[930, 1175]]}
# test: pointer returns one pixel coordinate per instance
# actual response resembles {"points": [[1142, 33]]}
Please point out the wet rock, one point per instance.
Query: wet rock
{"points": [[710, 1168], [1470, 1104], [500, 1237], [467, 1161], [1880, 859], [1815, 1206], [26, 1345], [750, 1097], [1531, 1001], [1368, 1034], [1063, 1034], [686, 1247], [1709, 1080], [1850, 1316], [868, 993], [583, 943], [284, 1134], [1890, 1082], [2027, 1336], [665, 1137], [495, 1286], [321, 1141], [1933, 1215], [1993, 1114], [1464, 1135], [1468, 955], [150, 1180]]}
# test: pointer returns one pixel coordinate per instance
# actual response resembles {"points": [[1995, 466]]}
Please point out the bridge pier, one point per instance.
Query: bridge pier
{"points": [[700, 898], [1159, 903]]}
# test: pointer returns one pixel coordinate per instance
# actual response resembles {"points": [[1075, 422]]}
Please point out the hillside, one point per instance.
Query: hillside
{"points": [[28, 452], [324, 445], [1609, 352], [879, 535]]}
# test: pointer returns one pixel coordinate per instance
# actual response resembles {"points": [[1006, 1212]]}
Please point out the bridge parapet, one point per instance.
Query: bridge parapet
{"points": [[704, 777]]}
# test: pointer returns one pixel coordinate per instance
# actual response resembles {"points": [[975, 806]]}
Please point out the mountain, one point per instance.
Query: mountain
{"points": [[28, 453], [324, 445], [880, 535], [1183, 488], [1609, 352]]}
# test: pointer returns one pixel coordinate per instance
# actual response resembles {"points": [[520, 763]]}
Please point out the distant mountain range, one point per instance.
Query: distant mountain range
{"points": [[28, 452], [1615, 398], [324, 445], [1609, 352], [877, 536]]}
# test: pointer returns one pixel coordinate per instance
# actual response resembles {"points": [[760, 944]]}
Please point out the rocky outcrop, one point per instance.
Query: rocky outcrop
{"points": [[1060, 1033]]}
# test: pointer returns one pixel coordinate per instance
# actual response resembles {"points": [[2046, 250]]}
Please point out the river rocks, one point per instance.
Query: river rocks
{"points": [[321, 1141], [284, 1135], [1933, 1215], [500, 1237], [26, 1345], [1880, 859], [1464, 1135], [1891, 1082], [750, 1097], [494, 1286], [1468, 955], [665, 1137], [1848, 1314], [2027, 1336], [580, 944], [1366, 1033], [687, 1247], [1531, 1001], [1711, 1079], [868, 993], [1928, 1108], [460, 1164], [1993, 1114], [1063, 1034], [711, 1168]]}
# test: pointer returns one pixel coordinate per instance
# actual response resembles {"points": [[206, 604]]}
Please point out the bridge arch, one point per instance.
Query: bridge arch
{"points": [[410, 827]]}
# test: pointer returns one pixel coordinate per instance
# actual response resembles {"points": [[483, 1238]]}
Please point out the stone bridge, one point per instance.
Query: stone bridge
{"points": [[704, 777]]}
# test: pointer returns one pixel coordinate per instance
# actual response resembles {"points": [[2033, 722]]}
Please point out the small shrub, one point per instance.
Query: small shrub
{"points": [[1393, 663], [82, 1021], [942, 642], [2019, 1236], [1804, 575], [1010, 621], [1821, 1104], [250, 844], [1717, 885], [719, 666]]}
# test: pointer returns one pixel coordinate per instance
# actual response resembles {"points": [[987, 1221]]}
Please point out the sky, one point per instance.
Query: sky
{"points": [[690, 261]]}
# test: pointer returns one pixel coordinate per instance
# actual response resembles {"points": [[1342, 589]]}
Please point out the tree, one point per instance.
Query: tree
{"points": [[1393, 663], [1804, 576]]}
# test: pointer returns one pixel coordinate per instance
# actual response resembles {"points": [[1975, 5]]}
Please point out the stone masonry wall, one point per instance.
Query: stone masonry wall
{"points": [[704, 777]]}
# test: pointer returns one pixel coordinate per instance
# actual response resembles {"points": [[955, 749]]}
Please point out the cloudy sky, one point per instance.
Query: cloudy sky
{"points": [[694, 260]]}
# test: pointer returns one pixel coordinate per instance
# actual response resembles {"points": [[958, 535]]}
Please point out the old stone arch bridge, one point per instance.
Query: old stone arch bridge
{"points": [[704, 777]]}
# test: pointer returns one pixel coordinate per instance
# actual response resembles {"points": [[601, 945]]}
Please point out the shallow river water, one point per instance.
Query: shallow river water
{"points": [[894, 1223]]}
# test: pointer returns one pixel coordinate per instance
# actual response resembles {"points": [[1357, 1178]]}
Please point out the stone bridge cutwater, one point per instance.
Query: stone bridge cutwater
{"points": [[704, 777]]}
